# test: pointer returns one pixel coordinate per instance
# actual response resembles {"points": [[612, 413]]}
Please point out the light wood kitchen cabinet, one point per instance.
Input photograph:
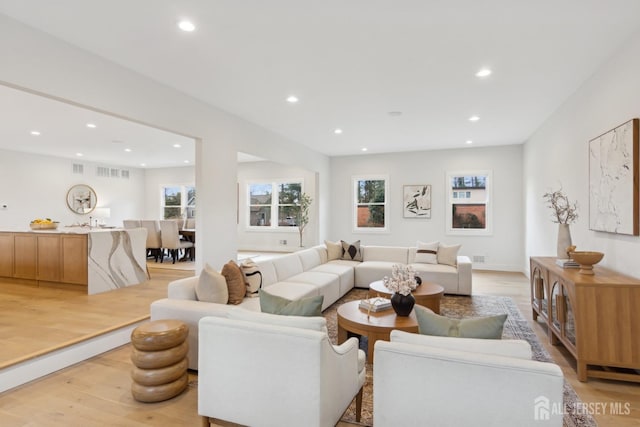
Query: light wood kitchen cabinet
{"points": [[44, 257], [25, 256], [74, 259], [49, 257], [596, 317], [6, 259]]}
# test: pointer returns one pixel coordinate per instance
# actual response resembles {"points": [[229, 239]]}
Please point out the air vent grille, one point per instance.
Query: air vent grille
{"points": [[124, 174], [78, 168]]}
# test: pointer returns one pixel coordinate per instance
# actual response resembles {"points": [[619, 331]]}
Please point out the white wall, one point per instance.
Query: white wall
{"points": [[35, 186], [34, 60], [269, 240], [558, 154], [503, 250], [156, 179]]}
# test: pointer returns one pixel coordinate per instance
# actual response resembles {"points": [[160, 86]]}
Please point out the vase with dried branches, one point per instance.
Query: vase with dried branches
{"points": [[563, 212]]}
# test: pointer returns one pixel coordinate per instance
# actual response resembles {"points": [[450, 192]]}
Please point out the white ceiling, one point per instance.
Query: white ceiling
{"points": [[351, 62]]}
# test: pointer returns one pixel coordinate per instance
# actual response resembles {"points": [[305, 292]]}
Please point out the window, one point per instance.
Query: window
{"points": [[268, 200], [178, 201], [469, 197], [370, 203]]}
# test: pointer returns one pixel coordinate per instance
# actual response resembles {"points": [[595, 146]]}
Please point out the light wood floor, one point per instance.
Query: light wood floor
{"points": [[96, 392]]}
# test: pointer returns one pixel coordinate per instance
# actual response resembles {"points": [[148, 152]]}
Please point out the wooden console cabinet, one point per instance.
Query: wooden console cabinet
{"points": [[597, 318]]}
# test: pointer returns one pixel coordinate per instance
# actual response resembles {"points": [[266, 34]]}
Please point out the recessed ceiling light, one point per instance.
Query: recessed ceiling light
{"points": [[143, 164], [91, 125], [337, 131], [292, 99], [474, 118], [35, 133], [363, 149], [128, 150], [483, 72], [186, 26], [79, 154], [395, 113], [177, 145], [469, 141], [186, 161]]}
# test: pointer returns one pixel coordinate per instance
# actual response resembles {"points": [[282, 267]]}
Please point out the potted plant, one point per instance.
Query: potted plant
{"points": [[303, 213]]}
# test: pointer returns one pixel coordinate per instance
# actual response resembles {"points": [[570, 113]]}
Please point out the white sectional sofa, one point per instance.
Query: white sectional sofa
{"points": [[308, 273]]}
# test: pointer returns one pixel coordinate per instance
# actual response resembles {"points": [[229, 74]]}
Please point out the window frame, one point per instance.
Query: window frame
{"points": [[451, 200], [184, 206], [355, 180], [275, 204]]}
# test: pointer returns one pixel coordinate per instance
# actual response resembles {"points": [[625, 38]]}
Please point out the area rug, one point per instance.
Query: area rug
{"points": [[516, 327]]}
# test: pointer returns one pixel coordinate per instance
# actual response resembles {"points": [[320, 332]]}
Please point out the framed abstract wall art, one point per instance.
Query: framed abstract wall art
{"points": [[417, 201], [613, 180]]}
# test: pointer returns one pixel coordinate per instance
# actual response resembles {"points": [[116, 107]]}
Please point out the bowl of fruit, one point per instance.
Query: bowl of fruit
{"points": [[43, 224]]}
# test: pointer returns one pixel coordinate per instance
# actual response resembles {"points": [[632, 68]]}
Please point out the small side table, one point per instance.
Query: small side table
{"points": [[427, 294], [159, 359]]}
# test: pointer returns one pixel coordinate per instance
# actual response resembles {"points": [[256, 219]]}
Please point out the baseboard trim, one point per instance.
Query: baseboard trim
{"points": [[32, 369]]}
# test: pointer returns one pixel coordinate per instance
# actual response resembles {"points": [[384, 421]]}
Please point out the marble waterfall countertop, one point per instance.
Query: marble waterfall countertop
{"points": [[117, 258]]}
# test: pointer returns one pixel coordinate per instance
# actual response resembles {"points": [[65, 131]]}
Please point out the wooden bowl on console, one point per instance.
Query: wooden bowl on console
{"points": [[586, 259]]}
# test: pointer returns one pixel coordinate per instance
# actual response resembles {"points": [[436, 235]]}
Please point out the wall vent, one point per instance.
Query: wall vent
{"points": [[78, 168], [478, 258], [115, 173], [102, 171], [124, 174]]}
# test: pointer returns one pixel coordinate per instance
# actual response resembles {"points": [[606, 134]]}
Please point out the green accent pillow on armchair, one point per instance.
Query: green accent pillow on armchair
{"points": [[430, 323], [310, 306]]}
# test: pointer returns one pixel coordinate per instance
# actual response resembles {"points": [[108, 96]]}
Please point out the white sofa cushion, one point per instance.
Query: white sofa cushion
{"points": [[328, 284], [391, 254], [344, 273], [427, 253], [291, 290], [268, 271], [315, 323], [287, 266], [309, 258], [334, 250], [511, 348], [448, 254], [370, 271], [212, 286]]}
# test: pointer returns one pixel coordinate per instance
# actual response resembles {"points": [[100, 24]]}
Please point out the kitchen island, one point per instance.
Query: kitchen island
{"points": [[98, 259]]}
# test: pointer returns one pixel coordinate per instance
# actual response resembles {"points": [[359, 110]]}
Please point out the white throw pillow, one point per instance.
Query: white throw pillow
{"points": [[334, 250], [427, 253], [212, 286], [448, 255], [252, 276], [315, 323]]}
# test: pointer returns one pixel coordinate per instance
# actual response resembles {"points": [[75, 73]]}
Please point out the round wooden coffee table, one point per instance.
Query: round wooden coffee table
{"points": [[427, 294], [376, 326]]}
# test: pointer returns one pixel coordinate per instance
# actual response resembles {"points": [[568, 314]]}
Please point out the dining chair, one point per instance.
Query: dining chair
{"points": [[190, 223], [131, 223], [154, 241], [171, 239]]}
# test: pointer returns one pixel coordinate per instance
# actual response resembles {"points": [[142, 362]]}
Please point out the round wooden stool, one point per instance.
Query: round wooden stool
{"points": [[159, 358]]}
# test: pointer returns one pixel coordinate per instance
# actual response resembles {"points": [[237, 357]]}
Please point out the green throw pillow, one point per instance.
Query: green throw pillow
{"points": [[310, 306], [430, 323]]}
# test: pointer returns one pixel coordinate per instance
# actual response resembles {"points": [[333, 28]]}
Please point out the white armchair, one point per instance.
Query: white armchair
{"points": [[255, 373], [420, 380]]}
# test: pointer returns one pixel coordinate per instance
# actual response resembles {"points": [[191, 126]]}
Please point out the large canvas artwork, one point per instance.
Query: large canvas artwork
{"points": [[613, 180], [417, 201]]}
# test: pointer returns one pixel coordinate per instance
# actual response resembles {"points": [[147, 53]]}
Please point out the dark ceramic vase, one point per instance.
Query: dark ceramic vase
{"points": [[402, 304]]}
